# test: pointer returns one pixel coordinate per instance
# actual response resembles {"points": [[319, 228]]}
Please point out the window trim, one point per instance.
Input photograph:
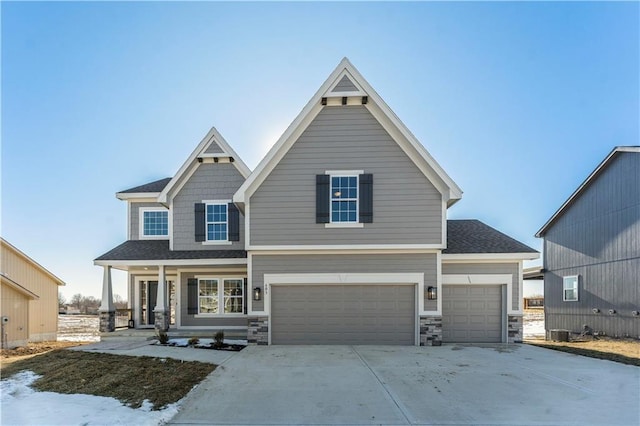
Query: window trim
{"points": [[344, 173], [576, 287], [207, 241], [141, 212], [221, 312]]}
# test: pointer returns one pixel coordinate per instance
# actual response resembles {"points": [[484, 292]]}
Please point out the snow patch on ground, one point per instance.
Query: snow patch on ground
{"points": [[76, 409], [533, 325], [203, 343]]}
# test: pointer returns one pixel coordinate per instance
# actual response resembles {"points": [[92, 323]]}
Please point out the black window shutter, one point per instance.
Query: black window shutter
{"points": [[245, 298], [199, 222], [366, 198], [192, 296], [322, 198], [234, 222]]}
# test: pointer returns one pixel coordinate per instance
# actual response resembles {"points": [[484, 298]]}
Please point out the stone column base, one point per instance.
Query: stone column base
{"points": [[514, 329], [258, 331], [107, 322], [430, 331], [161, 320]]}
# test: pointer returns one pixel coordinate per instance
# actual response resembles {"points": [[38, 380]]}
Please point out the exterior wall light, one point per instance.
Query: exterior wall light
{"points": [[432, 293], [257, 293], [596, 310]]}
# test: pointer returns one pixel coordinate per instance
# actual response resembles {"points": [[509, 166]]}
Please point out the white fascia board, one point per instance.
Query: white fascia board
{"points": [[212, 136], [313, 107], [488, 257], [426, 247], [138, 196], [171, 262], [344, 251]]}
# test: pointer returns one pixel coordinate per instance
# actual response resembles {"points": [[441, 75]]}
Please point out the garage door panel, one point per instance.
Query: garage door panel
{"points": [[343, 314], [472, 313]]}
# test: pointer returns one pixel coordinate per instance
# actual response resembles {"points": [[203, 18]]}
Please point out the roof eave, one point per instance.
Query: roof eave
{"points": [[136, 195]]}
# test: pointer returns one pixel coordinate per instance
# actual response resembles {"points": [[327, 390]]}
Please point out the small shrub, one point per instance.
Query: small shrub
{"points": [[163, 337], [193, 341], [218, 339]]}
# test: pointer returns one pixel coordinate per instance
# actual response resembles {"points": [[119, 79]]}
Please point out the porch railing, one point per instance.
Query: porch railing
{"points": [[122, 317]]}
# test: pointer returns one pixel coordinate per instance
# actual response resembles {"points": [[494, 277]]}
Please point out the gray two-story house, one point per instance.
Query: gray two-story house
{"points": [[592, 252], [339, 236]]}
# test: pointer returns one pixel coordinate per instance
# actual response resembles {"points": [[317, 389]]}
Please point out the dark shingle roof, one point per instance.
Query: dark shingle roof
{"points": [[473, 236], [156, 186], [159, 250]]}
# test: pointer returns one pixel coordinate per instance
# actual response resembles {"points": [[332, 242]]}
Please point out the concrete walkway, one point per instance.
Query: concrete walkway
{"points": [[452, 384], [141, 347]]}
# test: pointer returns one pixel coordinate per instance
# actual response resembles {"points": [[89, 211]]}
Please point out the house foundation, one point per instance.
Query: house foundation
{"points": [[514, 329], [258, 331], [430, 331]]}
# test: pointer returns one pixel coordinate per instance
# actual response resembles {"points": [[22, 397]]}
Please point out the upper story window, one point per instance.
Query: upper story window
{"points": [[570, 288], [217, 222], [344, 199], [154, 223]]}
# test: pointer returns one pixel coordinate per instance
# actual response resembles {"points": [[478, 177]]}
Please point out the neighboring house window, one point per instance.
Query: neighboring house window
{"points": [[154, 223], [344, 199], [570, 288], [220, 296], [217, 222]]}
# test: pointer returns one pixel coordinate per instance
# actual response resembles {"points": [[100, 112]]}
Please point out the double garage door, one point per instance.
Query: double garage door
{"points": [[472, 313], [343, 314]]}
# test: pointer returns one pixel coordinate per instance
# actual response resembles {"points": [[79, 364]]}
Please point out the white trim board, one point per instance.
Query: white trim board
{"points": [[488, 257], [172, 262], [431, 247]]}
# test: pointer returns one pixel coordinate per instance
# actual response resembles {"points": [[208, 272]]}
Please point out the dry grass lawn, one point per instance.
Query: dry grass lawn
{"points": [[32, 349], [626, 351], [129, 379]]}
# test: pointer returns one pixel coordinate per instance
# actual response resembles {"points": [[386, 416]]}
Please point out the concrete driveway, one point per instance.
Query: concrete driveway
{"points": [[452, 384]]}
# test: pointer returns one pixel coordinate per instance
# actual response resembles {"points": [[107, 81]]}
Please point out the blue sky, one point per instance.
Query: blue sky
{"points": [[518, 102]]}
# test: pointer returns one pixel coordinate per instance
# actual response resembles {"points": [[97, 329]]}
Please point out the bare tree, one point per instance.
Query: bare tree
{"points": [[119, 302]]}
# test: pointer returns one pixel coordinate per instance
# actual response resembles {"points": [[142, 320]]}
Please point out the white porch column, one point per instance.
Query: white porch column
{"points": [[107, 310], [161, 310]]}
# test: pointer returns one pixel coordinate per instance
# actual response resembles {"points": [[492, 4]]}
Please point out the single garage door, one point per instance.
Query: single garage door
{"points": [[472, 313], [343, 314]]}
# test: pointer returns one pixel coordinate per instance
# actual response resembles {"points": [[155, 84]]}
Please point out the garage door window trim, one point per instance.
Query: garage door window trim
{"points": [[220, 297]]}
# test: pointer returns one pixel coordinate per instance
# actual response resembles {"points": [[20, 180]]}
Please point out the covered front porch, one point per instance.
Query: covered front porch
{"points": [[176, 290]]}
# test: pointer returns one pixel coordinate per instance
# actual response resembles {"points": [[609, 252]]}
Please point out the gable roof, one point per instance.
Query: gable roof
{"points": [[345, 80], [472, 236], [6, 245], [583, 187], [212, 137], [151, 187]]}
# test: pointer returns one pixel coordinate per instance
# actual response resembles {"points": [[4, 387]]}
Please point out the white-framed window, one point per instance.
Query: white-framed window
{"points": [[220, 296], [344, 199], [570, 288], [216, 216], [154, 223]]}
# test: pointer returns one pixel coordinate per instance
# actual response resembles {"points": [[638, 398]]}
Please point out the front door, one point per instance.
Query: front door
{"points": [[149, 297]]}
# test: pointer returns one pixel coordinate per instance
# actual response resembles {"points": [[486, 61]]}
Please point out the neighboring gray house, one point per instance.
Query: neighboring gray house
{"points": [[592, 252], [340, 235]]}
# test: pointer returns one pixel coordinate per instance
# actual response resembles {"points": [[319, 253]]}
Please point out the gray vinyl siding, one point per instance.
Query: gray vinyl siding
{"points": [[191, 320], [407, 208], [345, 85], [211, 181], [134, 218], [489, 268], [344, 263], [597, 238], [214, 148]]}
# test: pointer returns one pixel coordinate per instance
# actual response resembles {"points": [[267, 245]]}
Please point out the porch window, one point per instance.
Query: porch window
{"points": [[208, 296], [220, 296]]}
